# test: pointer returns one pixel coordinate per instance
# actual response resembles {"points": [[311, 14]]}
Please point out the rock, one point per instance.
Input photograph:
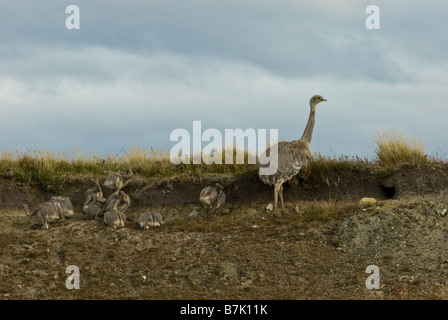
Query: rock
{"points": [[379, 294], [269, 207], [194, 214], [297, 209], [367, 202], [251, 211], [443, 212]]}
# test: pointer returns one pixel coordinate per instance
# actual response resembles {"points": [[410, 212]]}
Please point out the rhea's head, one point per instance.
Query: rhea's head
{"points": [[316, 99]]}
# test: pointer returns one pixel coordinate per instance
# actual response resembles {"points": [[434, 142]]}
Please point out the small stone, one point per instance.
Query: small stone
{"points": [[297, 209], [379, 294], [194, 214], [251, 211], [269, 207], [367, 202], [443, 212]]}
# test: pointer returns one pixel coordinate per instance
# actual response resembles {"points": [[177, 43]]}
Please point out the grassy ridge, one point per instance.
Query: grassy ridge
{"points": [[48, 169]]}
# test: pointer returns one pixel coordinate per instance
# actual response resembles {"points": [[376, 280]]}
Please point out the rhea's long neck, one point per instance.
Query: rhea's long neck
{"points": [[308, 133]]}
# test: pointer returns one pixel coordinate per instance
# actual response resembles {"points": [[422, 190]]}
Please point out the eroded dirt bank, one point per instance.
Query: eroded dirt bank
{"points": [[319, 250]]}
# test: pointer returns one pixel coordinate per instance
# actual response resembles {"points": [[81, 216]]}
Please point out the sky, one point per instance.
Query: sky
{"points": [[137, 70]]}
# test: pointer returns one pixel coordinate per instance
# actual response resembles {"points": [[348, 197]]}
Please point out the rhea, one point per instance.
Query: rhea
{"points": [[118, 200], [65, 205], [115, 219], [213, 197], [94, 206], [96, 190], [95, 202], [46, 213], [117, 180], [150, 219], [292, 156]]}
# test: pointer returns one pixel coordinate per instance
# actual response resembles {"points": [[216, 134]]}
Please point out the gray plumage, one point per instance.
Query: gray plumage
{"points": [[46, 213], [95, 202], [97, 191], [117, 180], [114, 218], [213, 198], [93, 207], [118, 200], [150, 219], [292, 156], [65, 204]]}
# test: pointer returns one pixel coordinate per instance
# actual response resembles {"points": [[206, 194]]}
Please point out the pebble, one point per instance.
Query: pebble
{"points": [[443, 212], [194, 214], [269, 207], [251, 211], [367, 202]]}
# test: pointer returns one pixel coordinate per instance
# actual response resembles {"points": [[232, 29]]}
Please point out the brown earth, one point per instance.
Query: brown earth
{"points": [[319, 250]]}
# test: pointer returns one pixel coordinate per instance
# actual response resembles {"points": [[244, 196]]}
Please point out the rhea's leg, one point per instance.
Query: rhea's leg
{"points": [[276, 212], [281, 198], [275, 198]]}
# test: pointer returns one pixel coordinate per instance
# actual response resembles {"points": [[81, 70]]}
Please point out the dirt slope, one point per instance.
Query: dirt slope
{"points": [[319, 250]]}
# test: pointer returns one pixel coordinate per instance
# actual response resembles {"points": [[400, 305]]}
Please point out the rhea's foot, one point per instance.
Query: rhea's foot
{"points": [[277, 213]]}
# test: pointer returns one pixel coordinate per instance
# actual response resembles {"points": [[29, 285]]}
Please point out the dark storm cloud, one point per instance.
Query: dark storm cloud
{"points": [[138, 69], [291, 40]]}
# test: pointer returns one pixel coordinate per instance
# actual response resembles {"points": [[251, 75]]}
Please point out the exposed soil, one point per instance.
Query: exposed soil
{"points": [[319, 250]]}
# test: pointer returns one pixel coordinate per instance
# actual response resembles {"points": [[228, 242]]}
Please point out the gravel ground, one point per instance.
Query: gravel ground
{"points": [[316, 251]]}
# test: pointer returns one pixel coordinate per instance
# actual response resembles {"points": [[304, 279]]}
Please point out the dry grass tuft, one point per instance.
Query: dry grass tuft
{"points": [[394, 148]]}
